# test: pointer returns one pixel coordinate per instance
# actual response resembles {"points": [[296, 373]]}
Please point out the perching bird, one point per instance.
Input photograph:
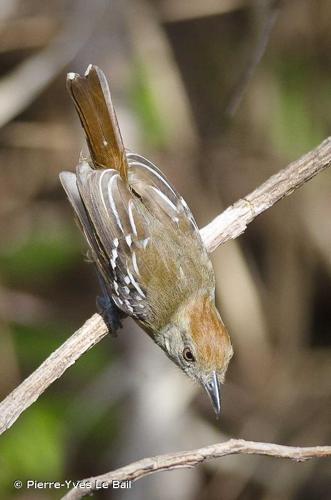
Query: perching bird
{"points": [[145, 243]]}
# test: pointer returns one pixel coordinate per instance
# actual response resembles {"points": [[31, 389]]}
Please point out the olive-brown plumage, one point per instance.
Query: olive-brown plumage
{"points": [[145, 242]]}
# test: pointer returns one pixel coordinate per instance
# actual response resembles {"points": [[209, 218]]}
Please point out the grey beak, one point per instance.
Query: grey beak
{"points": [[212, 387]]}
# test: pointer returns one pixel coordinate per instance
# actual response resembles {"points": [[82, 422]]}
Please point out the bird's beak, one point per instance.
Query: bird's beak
{"points": [[212, 387]]}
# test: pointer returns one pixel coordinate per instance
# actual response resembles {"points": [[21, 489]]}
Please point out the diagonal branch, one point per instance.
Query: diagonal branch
{"points": [[93, 330], [186, 459], [234, 220], [228, 225]]}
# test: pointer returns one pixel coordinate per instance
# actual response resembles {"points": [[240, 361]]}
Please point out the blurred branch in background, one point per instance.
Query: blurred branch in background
{"points": [[27, 80], [270, 11], [172, 10], [228, 225]]}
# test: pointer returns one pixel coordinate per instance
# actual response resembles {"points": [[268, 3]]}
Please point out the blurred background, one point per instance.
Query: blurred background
{"points": [[191, 97]]}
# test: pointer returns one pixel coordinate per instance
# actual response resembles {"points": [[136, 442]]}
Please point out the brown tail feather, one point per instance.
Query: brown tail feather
{"points": [[92, 99]]}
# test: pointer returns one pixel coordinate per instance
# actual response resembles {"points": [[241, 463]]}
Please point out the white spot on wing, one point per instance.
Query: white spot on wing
{"points": [[185, 205], [145, 242], [101, 191], [117, 300], [165, 198], [113, 258], [154, 171], [128, 305], [133, 225], [128, 239], [134, 262], [135, 284], [112, 203]]}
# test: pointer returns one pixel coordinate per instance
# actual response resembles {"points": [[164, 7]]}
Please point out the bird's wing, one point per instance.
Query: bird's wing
{"points": [[140, 226], [120, 228], [157, 194], [96, 252]]}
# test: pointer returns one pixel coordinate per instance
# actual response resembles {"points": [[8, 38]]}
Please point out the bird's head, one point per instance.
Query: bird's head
{"points": [[198, 342]]}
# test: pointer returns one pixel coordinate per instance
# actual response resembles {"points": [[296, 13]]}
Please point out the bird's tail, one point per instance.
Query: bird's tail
{"points": [[92, 99]]}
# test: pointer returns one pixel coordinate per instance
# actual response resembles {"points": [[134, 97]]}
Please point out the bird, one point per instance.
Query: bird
{"points": [[145, 244]]}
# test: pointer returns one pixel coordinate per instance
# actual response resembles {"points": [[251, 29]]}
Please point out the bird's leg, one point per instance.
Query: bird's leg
{"points": [[111, 314]]}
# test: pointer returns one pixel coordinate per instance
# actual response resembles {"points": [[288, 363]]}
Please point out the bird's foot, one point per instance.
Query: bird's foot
{"points": [[111, 314]]}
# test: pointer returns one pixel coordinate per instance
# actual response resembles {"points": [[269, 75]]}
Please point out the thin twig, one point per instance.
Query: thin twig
{"points": [[229, 225], [185, 459], [270, 17]]}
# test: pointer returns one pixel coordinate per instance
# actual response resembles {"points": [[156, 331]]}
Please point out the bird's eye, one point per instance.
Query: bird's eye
{"points": [[188, 355]]}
